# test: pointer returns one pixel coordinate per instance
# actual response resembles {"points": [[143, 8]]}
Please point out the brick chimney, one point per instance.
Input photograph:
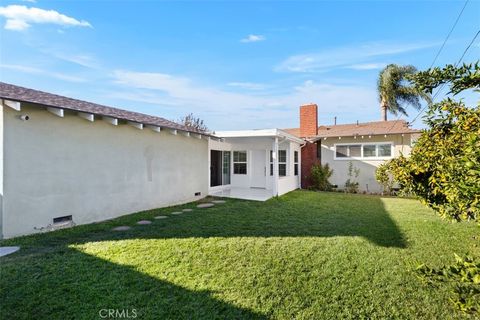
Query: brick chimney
{"points": [[308, 120]]}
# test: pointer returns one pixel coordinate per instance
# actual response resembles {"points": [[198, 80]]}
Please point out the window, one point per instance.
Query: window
{"points": [[282, 163], [319, 150], [226, 168], [240, 162], [295, 163], [369, 150], [384, 150], [363, 151]]}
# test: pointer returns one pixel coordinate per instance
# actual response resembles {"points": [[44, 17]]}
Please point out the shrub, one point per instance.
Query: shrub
{"points": [[385, 178], [351, 185], [319, 175], [443, 169]]}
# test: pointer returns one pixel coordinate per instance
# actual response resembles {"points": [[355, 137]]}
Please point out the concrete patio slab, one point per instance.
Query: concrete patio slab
{"points": [[8, 250]]}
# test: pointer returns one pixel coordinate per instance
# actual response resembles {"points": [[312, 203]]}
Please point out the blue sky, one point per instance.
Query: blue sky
{"points": [[237, 65]]}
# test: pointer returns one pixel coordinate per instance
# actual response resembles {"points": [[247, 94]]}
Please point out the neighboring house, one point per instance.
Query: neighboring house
{"points": [[65, 161], [365, 145]]}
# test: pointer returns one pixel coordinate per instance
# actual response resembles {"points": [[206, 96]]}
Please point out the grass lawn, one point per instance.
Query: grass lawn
{"points": [[305, 255]]}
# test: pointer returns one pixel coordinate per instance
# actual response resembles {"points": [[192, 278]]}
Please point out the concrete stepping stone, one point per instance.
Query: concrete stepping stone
{"points": [[205, 205], [8, 250], [121, 228], [177, 212], [187, 210], [144, 222], [219, 201], [160, 217]]}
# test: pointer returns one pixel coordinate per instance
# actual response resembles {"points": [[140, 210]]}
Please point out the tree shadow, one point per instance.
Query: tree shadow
{"points": [[297, 214]]}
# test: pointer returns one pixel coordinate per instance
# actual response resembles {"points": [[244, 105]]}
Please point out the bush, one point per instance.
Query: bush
{"points": [[443, 169], [351, 186], [319, 175], [385, 178]]}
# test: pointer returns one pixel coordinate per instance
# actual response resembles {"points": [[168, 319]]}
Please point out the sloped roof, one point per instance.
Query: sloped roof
{"points": [[21, 94], [366, 128]]}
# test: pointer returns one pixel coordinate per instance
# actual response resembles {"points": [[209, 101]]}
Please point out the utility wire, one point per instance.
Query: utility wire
{"points": [[443, 84], [435, 59]]}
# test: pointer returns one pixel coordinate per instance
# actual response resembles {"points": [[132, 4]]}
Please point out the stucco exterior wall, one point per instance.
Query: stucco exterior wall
{"points": [[366, 178], [92, 170]]}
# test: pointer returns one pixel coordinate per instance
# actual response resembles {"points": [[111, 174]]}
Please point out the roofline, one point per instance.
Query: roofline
{"points": [[108, 115], [316, 138], [259, 133]]}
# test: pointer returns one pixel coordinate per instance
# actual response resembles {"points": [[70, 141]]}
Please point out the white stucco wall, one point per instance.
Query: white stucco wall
{"points": [[366, 178], [92, 170]]}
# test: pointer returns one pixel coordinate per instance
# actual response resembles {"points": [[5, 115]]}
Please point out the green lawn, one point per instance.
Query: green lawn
{"points": [[305, 255]]}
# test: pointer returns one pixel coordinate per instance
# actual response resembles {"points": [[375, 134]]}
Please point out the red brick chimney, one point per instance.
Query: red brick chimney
{"points": [[308, 128], [308, 120]]}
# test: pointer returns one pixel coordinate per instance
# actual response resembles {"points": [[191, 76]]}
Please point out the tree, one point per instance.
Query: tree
{"points": [[443, 169], [194, 123], [394, 91]]}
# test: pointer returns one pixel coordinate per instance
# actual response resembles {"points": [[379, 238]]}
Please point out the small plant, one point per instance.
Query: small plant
{"points": [[385, 178], [319, 175], [351, 186]]}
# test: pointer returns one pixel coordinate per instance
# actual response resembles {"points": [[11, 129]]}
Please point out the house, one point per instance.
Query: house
{"points": [[254, 164], [65, 161], [364, 146]]}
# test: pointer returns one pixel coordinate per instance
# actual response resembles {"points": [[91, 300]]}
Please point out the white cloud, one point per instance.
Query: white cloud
{"points": [[345, 56], [243, 110], [247, 85], [33, 70], [367, 66], [253, 38], [20, 18]]}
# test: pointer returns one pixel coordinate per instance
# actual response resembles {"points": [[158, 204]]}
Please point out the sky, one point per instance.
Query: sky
{"points": [[236, 65]]}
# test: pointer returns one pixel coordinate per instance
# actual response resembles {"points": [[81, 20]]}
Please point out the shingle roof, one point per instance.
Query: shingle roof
{"points": [[21, 94], [366, 128]]}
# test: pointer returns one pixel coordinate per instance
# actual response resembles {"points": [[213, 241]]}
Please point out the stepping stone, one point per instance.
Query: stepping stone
{"points": [[144, 222], [177, 212], [121, 228], [205, 205], [8, 250], [187, 210], [219, 201], [161, 217]]}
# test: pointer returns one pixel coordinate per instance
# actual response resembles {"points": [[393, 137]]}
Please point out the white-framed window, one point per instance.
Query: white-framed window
{"points": [[374, 150], [282, 163], [239, 162], [295, 163]]}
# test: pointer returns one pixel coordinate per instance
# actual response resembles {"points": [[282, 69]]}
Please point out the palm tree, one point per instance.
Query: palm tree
{"points": [[394, 91]]}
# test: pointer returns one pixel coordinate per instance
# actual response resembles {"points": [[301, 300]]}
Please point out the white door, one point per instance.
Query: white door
{"points": [[259, 169]]}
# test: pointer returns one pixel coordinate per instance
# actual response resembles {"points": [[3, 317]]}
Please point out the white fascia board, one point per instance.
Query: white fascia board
{"points": [[112, 121], [56, 111], [135, 124], [154, 128], [87, 116], [15, 105]]}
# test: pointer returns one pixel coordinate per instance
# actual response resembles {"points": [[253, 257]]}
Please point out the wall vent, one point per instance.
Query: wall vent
{"points": [[198, 194], [61, 220]]}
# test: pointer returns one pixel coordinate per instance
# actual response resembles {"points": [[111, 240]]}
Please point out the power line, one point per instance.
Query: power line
{"points": [[435, 59], [448, 35], [443, 84]]}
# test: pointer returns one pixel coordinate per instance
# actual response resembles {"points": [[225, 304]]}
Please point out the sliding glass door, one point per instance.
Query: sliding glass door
{"points": [[219, 167]]}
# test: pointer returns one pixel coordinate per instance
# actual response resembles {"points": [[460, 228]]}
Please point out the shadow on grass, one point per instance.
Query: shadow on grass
{"points": [[74, 285], [48, 279]]}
